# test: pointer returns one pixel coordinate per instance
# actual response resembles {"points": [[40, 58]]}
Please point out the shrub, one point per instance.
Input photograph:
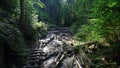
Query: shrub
{"points": [[14, 46]]}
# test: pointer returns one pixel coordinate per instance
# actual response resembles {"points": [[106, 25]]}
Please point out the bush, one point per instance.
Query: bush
{"points": [[41, 28], [14, 46]]}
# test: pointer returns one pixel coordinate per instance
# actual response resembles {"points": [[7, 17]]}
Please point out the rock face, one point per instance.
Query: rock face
{"points": [[53, 51]]}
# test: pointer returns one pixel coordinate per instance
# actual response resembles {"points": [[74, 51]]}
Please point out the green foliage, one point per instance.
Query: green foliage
{"points": [[14, 46], [41, 28], [102, 24], [90, 20], [9, 11], [87, 33], [80, 9], [9, 6], [44, 16], [103, 21], [107, 15], [29, 32], [101, 56], [112, 53], [105, 56], [12, 38], [40, 4], [26, 25]]}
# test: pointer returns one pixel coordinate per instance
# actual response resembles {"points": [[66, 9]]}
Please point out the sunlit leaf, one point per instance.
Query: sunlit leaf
{"points": [[112, 4], [41, 4]]}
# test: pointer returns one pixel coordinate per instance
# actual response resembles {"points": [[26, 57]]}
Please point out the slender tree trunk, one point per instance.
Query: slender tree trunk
{"points": [[21, 11]]}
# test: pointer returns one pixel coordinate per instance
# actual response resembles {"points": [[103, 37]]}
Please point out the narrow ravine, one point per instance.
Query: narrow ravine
{"points": [[54, 51]]}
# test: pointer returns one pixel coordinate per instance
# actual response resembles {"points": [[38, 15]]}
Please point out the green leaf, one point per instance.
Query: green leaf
{"points": [[112, 4], [41, 4]]}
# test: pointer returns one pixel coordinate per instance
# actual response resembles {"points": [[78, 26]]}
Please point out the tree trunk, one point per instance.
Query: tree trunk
{"points": [[21, 11]]}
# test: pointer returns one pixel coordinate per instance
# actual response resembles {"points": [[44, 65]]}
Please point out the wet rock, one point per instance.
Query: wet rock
{"points": [[53, 51]]}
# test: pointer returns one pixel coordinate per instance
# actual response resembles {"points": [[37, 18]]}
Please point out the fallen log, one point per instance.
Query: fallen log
{"points": [[89, 43], [77, 62], [58, 57], [59, 62]]}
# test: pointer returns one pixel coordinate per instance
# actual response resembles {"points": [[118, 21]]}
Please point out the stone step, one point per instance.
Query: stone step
{"points": [[36, 58], [33, 61], [36, 66], [33, 57], [36, 49], [36, 52], [30, 63], [38, 55]]}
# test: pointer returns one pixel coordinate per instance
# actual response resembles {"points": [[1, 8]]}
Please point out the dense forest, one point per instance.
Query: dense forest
{"points": [[22, 22]]}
